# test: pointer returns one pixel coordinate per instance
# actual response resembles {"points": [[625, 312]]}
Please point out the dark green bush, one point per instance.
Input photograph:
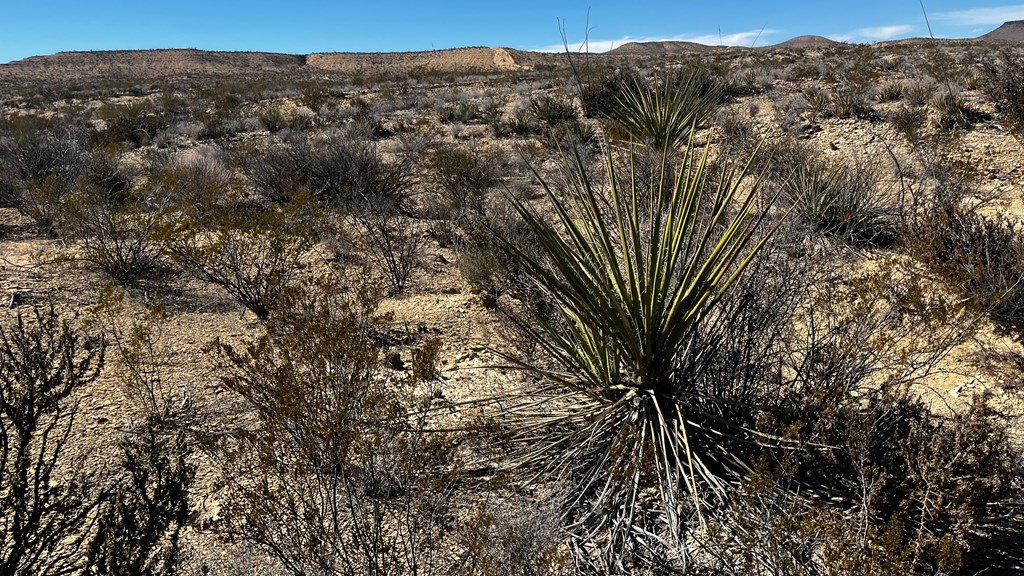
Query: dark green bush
{"points": [[553, 110], [850, 101], [135, 124], [601, 89]]}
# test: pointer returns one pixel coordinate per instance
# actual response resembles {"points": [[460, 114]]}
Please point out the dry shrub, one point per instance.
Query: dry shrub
{"points": [[1002, 80], [40, 163], [47, 500], [338, 168], [462, 177], [392, 242], [120, 235], [338, 471], [981, 256], [252, 252], [513, 538]]}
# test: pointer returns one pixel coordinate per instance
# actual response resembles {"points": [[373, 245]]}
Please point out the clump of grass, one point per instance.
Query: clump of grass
{"points": [[891, 91], [953, 112], [842, 202], [817, 100], [909, 121]]}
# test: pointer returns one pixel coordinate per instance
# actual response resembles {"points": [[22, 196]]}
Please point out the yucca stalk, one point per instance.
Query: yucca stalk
{"points": [[631, 276]]}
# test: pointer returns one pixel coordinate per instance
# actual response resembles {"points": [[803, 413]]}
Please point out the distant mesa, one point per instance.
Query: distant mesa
{"points": [[176, 63], [1009, 31]]}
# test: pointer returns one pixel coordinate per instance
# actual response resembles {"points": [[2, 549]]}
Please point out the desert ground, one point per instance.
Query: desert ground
{"points": [[327, 320]]}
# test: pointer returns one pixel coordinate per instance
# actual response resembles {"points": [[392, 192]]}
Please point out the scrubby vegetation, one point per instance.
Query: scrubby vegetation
{"points": [[747, 312]]}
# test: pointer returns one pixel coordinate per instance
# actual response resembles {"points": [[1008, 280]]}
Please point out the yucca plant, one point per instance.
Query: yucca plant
{"points": [[662, 114], [631, 275]]}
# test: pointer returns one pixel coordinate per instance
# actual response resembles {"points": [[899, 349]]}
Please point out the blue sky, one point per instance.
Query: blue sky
{"points": [[35, 27]]}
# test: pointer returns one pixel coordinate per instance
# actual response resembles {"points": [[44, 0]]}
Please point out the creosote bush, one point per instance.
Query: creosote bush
{"points": [[252, 252], [339, 472], [140, 523], [462, 178], [392, 243], [981, 256], [553, 110], [119, 235], [134, 124], [602, 89]]}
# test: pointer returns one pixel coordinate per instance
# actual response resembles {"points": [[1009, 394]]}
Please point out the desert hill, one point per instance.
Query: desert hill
{"points": [[677, 47], [666, 47], [1009, 31], [808, 41]]}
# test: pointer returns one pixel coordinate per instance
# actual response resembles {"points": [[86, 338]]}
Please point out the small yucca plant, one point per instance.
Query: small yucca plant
{"points": [[663, 114], [630, 275]]}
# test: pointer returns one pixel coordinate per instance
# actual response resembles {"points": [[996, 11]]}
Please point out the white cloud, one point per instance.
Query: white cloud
{"points": [[736, 39], [992, 16], [873, 34], [883, 32]]}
